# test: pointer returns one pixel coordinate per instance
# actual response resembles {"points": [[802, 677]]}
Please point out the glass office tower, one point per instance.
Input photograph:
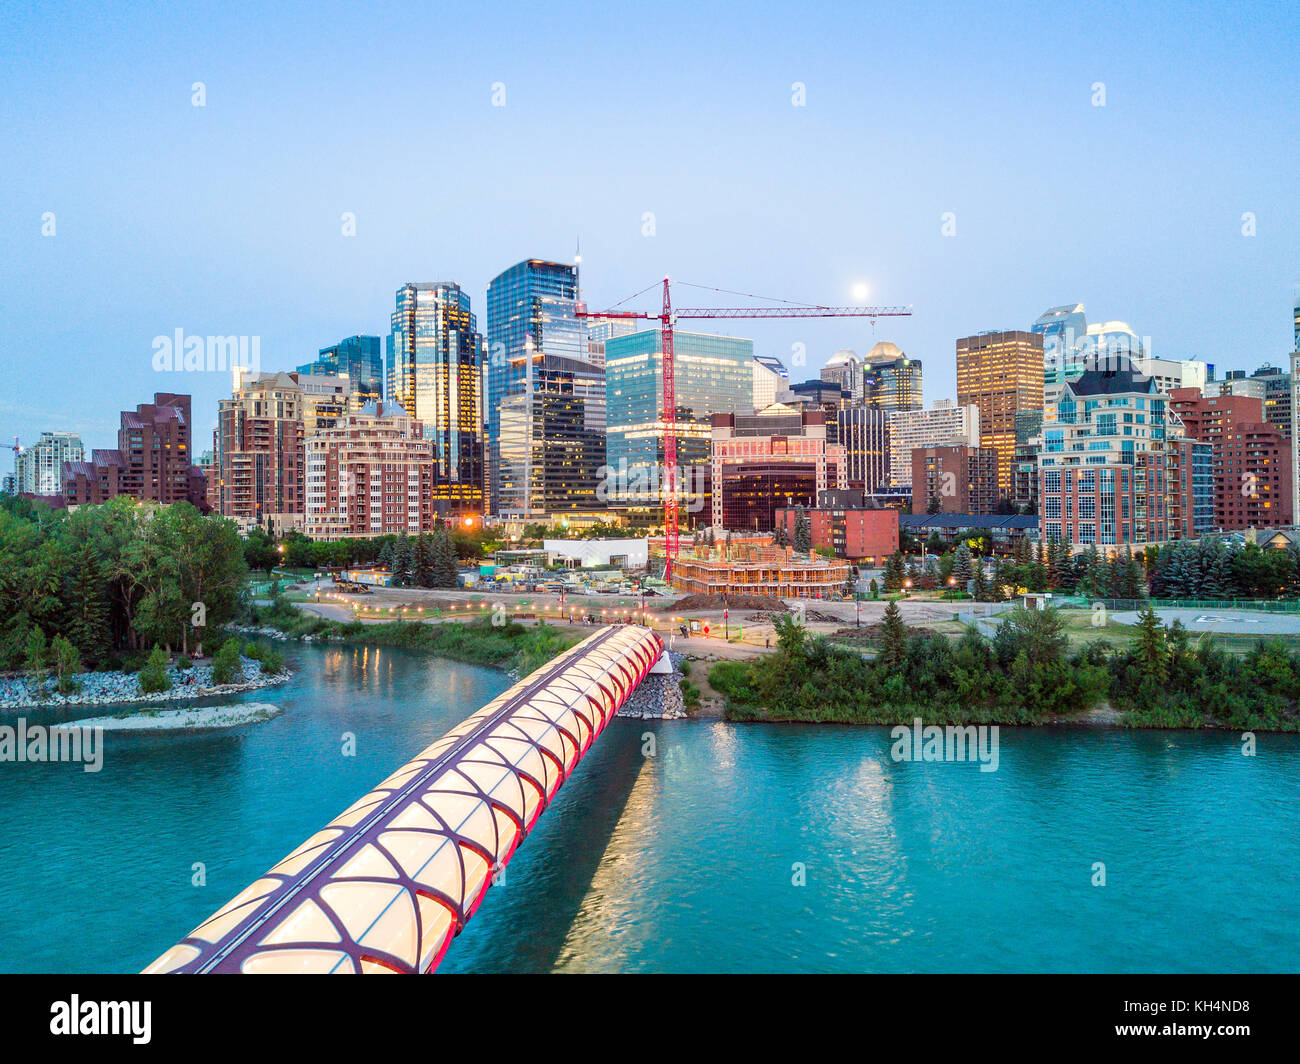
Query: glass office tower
{"points": [[360, 359], [435, 359], [712, 375], [530, 317]]}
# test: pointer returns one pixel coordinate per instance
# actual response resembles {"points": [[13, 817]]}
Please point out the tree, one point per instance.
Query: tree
{"points": [[153, 676], [979, 585], [893, 638], [1150, 648], [894, 574], [423, 560], [934, 506], [37, 654], [446, 573], [67, 664], [802, 531], [961, 566], [226, 664]]}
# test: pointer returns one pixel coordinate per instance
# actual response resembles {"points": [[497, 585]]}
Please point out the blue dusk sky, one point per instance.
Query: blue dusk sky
{"points": [[226, 218]]}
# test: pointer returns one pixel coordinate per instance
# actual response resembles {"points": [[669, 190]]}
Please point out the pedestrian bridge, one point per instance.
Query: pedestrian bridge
{"points": [[390, 882]]}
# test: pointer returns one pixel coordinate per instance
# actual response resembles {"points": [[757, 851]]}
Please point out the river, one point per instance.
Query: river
{"points": [[746, 848]]}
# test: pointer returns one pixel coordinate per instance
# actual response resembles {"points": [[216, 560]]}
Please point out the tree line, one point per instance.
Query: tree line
{"points": [[1025, 674], [114, 580]]}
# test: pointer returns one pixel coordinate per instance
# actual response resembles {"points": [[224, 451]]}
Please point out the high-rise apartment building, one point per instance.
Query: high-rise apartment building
{"points": [[1103, 466], [38, 469], [531, 316], [863, 432], [712, 375], [824, 395], [1277, 396], [1002, 374], [153, 459], [891, 380], [1024, 468], [1189, 493], [1251, 458], [370, 474], [945, 423], [435, 372], [956, 479], [360, 360], [258, 450], [779, 457]]}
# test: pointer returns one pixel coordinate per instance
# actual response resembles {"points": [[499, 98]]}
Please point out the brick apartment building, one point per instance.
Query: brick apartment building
{"points": [[370, 475], [1251, 458], [841, 523], [960, 478], [152, 460]]}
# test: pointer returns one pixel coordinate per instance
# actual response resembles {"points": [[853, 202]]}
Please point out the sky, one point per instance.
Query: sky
{"points": [[1105, 153]]}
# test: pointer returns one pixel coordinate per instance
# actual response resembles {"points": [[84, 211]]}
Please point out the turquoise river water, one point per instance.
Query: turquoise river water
{"points": [[689, 860]]}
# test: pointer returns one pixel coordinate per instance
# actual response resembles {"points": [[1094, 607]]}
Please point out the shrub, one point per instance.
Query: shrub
{"points": [[67, 663], [226, 667], [272, 661], [153, 677], [183, 662]]}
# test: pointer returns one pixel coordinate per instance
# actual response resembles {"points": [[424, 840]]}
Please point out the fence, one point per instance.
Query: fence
{"points": [[1121, 605]]}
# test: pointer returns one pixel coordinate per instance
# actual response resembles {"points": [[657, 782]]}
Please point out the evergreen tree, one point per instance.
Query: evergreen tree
{"points": [[67, 664], [423, 576], [802, 531], [403, 561], [979, 584], [893, 638], [961, 567], [894, 574], [1149, 645], [446, 572]]}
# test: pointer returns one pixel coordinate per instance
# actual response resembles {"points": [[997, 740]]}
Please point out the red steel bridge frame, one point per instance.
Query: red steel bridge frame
{"points": [[392, 880]]}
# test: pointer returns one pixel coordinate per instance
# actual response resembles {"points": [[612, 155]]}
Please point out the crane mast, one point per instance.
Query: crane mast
{"points": [[667, 322]]}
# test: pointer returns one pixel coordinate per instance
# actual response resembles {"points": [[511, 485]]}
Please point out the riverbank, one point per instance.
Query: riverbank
{"points": [[115, 688]]}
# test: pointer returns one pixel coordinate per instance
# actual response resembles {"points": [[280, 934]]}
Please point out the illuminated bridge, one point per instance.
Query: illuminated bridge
{"points": [[388, 883]]}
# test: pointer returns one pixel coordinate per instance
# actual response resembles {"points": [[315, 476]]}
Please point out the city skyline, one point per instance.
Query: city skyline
{"points": [[167, 231]]}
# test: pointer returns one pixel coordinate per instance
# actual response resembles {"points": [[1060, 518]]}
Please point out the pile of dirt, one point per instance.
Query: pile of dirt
{"points": [[690, 603], [871, 633]]}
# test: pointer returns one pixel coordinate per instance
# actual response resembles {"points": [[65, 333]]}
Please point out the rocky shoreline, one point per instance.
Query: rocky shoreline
{"points": [[658, 696], [111, 688]]}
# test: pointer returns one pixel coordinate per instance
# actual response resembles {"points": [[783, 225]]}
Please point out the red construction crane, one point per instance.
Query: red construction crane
{"points": [[667, 319]]}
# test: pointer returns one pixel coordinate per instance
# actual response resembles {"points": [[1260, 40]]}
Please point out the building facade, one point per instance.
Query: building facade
{"points": [[891, 380], [944, 423], [712, 375], [1002, 374], [770, 379], [551, 442], [370, 474], [153, 460], [38, 469], [360, 360], [257, 449], [435, 372], [762, 461], [755, 570], [531, 314], [842, 524], [954, 479], [864, 435], [1252, 462], [1103, 465]]}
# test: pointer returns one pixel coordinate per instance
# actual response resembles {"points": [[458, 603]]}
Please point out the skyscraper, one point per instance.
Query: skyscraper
{"points": [[435, 360], [891, 380], [770, 377], [712, 376], [531, 314], [1002, 374], [1062, 329], [360, 360]]}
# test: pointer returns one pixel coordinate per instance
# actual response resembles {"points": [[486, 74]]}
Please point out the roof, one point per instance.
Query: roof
{"points": [[1111, 382], [1008, 522]]}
